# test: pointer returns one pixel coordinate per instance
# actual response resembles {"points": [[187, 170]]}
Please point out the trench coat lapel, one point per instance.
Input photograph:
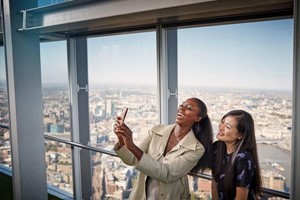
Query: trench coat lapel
{"points": [[188, 142], [164, 134]]}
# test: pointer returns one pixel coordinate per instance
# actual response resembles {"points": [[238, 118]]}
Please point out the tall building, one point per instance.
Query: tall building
{"points": [[61, 116], [110, 109]]}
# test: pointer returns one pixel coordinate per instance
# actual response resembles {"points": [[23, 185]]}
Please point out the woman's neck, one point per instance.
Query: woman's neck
{"points": [[180, 131], [230, 148]]}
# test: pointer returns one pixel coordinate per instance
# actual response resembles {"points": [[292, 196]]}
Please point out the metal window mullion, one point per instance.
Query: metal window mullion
{"points": [[172, 74], [83, 115], [162, 70], [295, 180], [72, 70], [167, 73], [78, 81]]}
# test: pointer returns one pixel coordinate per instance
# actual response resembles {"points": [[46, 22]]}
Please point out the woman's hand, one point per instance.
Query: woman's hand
{"points": [[115, 129], [125, 137], [123, 133]]}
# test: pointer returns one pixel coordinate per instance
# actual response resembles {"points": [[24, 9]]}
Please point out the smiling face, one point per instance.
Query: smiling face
{"points": [[228, 132], [188, 113]]}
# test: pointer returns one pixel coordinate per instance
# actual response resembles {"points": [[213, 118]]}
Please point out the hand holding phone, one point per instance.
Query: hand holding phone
{"points": [[123, 114]]}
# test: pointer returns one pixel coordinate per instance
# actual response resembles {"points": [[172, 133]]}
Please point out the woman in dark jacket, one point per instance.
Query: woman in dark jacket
{"points": [[236, 171]]}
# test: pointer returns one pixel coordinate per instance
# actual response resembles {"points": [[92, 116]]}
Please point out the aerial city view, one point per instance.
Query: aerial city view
{"points": [[112, 179]]}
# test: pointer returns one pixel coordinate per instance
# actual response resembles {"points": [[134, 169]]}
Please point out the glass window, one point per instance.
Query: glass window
{"points": [[245, 66], [122, 72], [59, 166], [54, 70], [5, 150]]}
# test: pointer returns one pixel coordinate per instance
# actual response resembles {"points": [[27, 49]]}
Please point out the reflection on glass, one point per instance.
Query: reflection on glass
{"points": [[122, 73], [245, 66]]}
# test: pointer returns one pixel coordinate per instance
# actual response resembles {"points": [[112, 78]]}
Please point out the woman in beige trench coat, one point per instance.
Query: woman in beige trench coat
{"points": [[168, 153]]}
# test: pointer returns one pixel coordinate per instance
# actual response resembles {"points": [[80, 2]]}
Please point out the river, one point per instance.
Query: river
{"points": [[269, 153]]}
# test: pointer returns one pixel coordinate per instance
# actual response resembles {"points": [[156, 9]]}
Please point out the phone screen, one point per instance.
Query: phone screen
{"points": [[124, 112]]}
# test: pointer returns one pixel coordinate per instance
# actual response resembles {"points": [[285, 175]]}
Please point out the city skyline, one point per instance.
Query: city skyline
{"points": [[272, 112]]}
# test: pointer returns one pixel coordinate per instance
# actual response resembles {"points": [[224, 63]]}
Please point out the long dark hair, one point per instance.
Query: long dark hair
{"points": [[203, 132], [245, 126]]}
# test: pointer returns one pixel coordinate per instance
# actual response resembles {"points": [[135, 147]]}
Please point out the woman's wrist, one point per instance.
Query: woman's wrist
{"points": [[119, 145], [137, 152]]}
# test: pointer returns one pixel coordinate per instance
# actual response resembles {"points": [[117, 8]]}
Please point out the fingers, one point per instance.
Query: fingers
{"points": [[120, 124], [118, 120], [117, 126], [122, 131], [118, 129]]}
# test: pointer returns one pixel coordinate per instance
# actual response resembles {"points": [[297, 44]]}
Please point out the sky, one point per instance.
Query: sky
{"points": [[248, 55]]}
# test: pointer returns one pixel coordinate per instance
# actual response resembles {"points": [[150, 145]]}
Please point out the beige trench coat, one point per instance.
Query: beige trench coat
{"points": [[172, 172]]}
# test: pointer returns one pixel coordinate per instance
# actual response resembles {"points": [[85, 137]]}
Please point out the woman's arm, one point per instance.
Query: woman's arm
{"points": [[170, 169], [244, 174], [241, 193], [214, 190], [125, 153], [125, 138], [166, 171]]}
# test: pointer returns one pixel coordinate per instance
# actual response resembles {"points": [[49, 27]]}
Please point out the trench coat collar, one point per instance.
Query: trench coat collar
{"points": [[189, 141]]}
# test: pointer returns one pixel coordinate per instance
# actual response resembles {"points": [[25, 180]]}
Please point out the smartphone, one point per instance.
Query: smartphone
{"points": [[123, 114]]}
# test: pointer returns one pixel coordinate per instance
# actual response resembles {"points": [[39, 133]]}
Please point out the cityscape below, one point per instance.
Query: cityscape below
{"points": [[111, 178]]}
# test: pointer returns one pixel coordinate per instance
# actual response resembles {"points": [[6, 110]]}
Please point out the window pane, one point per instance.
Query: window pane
{"points": [[122, 73], [200, 188], [59, 166], [245, 66], [54, 70], [5, 150], [56, 113]]}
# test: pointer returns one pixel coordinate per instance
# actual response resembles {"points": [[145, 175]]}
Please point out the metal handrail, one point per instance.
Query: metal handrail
{"points": [[80, 145], [266, 191], [275, 193], [4, 126]]}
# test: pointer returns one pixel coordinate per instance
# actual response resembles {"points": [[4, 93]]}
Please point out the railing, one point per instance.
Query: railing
{"points": [[266, 191], [80, 145], [4, 126]]}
